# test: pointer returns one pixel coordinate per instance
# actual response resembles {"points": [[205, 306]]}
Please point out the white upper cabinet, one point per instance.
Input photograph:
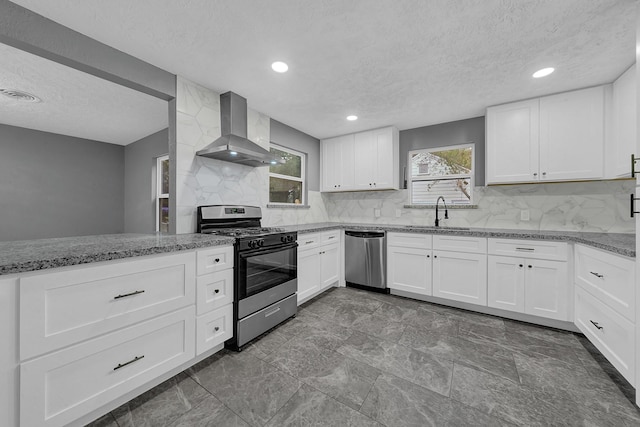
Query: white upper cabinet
{"points": [[623, 135], [512, 142], [554, 138], [337, 156], [362, 161], [572, 135]]}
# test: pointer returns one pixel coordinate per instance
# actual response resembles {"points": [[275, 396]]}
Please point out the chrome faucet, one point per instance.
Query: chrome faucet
{"points": [[446, 212]]}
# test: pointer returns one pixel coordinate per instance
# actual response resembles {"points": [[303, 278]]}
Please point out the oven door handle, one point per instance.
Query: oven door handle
{"points": [[271, 249]]}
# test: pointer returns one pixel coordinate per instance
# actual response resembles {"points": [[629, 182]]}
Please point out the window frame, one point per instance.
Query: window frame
{"points": [[159, 195], [302, 179], [411, 179]]}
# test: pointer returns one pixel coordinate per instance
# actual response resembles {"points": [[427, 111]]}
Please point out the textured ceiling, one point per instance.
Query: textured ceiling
{"points": [[409, 63], [75, 103]]}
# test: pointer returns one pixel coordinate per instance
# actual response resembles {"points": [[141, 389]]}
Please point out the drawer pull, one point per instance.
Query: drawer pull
{"points": [[596, 324], [599, 276], [520, 265], [217, 328], [331, 237], [122, 365], [129, 294], [217, 291], [525, 249], [273, 312], [309, 242], [217, 260]]}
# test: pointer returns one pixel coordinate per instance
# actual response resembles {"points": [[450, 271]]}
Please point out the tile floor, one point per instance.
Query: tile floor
{"points": [[355, 358]]}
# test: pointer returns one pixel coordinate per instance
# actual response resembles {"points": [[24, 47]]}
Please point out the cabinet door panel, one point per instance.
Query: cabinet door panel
{"points": [[460, 277], [384, 174], [512, 142], [505, 283], [330, 265], [365, 160], [572, 135], [547, 289], [308, 273], [409, 270]]}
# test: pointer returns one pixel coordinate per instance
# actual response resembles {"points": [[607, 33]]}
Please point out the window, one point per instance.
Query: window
{"points": [[286, 181], [162, 194], [443, 171]]}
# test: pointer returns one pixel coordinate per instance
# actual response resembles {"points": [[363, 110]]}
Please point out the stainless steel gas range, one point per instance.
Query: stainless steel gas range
{"points": [[265, 269]]}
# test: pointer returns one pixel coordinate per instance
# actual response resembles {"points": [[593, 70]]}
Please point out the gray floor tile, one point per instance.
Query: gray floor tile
{"points": [[342, 314], [395, 402], [104, 421], [481, 355], [250, 387], [267, 344], [576, 384], [504, 399], [353, 299], [210, 413], [310, 407], [465, 315], [379, 327], [435, 322], [548, 335], [345, 379], [396, 313], [415, 366], [161, 405]]}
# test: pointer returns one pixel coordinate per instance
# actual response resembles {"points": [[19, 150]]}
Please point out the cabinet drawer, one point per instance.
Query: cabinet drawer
{"points": [[62, 308], [332, 236], [476, 245], [214, 291], [60, 387], [410, 240], [610, 278], [311, 240], [532, 249], [214, 328], [214, 259], [611, 333]]}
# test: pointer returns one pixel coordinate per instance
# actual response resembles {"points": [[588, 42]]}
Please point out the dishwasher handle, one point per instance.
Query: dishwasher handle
{"points": [[366, 234]]}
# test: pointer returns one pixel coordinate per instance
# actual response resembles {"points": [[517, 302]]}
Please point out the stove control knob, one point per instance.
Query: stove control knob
{"points": [[284, 239], [290, 238], [251, 244], [260, 243]]}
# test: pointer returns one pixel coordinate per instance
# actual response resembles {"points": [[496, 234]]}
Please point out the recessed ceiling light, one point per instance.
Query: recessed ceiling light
{"points": [[233, 153], [543, 73], [352, 118], [18, 95], [279, 67]]}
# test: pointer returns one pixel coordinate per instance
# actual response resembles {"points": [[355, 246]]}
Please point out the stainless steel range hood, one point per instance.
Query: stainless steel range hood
{"points": [[233, 145]]}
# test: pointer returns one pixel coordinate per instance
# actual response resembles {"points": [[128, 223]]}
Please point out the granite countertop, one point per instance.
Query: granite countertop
{"points": [[32, 255], [618, 243]]}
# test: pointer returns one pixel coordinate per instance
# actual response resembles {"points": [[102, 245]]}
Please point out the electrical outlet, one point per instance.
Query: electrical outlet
{"points": [[376, 213], [398, 213], [524, 215]]}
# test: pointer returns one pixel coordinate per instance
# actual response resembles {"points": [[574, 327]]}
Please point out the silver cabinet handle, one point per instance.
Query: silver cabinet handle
{"points": [[130, 294], [122, 365], [273, 312], [596, 325], [599, 276], [525, 249]]}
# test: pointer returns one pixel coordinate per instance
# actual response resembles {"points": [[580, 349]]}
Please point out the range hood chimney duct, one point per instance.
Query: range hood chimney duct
{"points": [[233, 145]]}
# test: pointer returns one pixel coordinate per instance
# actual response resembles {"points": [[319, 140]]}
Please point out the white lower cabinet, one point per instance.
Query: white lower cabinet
{"points": [[319, 265], [409, 266], [409, 270], [60, 387], [536, 287], [610, 332], [460, 276], [90, 334]]}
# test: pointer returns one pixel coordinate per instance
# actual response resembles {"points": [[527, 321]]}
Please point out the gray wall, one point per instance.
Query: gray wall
{"points": [[442, 135], [139, 181], [287, 136], [55, 186]]}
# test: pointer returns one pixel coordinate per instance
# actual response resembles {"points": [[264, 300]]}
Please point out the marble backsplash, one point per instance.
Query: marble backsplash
{"points": [[598, 206], [204, 181]]}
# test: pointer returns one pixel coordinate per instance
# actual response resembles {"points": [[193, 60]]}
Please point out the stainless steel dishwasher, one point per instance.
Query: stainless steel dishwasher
{"points": [[366, 259]]}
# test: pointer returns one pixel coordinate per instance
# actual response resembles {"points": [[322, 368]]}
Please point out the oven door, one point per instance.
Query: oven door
{"points": [[261, 269]]}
